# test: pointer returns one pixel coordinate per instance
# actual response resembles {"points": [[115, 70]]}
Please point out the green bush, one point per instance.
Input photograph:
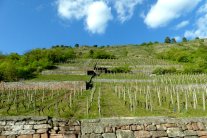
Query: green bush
{"points": [[101, 54], [124, 69], [162, 71]]}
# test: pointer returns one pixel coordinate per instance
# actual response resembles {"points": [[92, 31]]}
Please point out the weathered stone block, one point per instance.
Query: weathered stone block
{"points": [[161, 127], [44, 135], [191, 137], [194, 126], [10, 123], [133, 127], [42, 126], [108, 135], [56, 136], [36, 136], [2, 123], [124, 134], [28, 126], [85, 136], [20, 123], [169, 125], [202, 133], [92, 128], [8, 128], [7, 133], [41, 122], [156, 134], [150, 128], [70, 136], [26, 132], [95, 136], [184, 127], [17, 127], [190, 133], [200, 126], [77, 128], [40, 131], [175, 132], [11, 136], [142, 134], [189, 127], [108, 129], [140, 127], [25, 136]]}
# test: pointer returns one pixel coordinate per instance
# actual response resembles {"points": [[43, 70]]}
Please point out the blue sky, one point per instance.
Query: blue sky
{"points": [[28, 24]]}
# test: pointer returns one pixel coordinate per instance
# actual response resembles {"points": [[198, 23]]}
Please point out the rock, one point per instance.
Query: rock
{"points": [[189, 127], [2, 123], [200, 126], [150, 128], [28, 126], [2, 136], [10, 123], [95, 136], [169, 125], [70, 136], [17, 127], [56, 136], [108, 129], [156, 134], [77, 128], [124, 134], [7, 133], [26, 132], [133, 127], [88, 128], [42, 126], [175, 132], [194, 126], [191, 137], [25, 136], [202, 133], [20, 123], [40, 131], [161, 127], [44, 135], [108, 135], [190, 133], [85, 136], [142, 134], [36, 136]]}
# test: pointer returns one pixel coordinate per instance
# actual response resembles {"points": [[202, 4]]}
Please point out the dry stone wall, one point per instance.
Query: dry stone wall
{"points": [[146, 127]]}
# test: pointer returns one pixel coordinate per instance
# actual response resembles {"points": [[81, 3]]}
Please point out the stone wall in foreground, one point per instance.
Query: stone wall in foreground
{"points": [[146, 127]]}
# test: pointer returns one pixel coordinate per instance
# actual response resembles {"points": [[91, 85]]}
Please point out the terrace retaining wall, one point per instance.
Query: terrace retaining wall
{"points": [[46, 127]]}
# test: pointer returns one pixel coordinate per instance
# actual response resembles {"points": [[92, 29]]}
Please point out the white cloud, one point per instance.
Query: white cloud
{"points": [[200, 29], [98, 15], [165, 11], [72, 9], [181, 24], [125, 8], [202, 9]]}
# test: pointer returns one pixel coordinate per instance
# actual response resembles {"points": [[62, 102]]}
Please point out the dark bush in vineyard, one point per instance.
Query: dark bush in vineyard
{"points": [[124, 69], [162, 71]]}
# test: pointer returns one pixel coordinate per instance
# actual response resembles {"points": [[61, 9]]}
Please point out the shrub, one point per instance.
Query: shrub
{"points": [[101, 54], [162, 71], [124, 69]]}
